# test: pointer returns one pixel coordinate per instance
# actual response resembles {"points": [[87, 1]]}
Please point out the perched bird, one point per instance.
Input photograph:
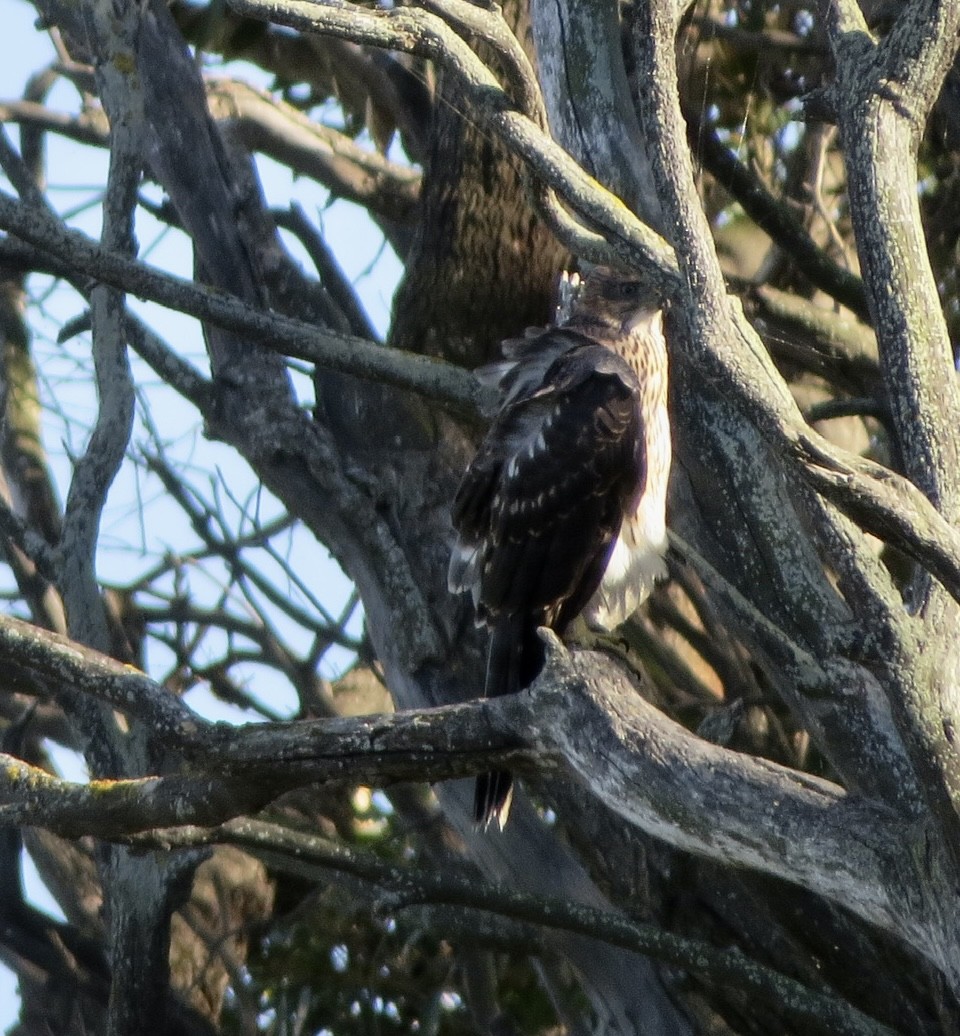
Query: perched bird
{"points": [[561, 511]]}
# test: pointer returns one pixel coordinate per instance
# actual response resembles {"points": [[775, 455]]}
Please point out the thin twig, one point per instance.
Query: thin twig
{"points": [[313, 857], [436, 379]]}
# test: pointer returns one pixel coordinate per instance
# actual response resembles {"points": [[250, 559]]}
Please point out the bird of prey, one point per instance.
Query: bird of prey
{"points": [[561, 511]]}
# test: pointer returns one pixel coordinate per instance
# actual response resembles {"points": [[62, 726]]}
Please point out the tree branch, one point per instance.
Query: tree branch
{"points": [[275, 129], [490, 26], [384, 188], [46, 662], [887, 506], [584, 711], [90, 127], [580, 59], [433, 378], [314, 857], [881, 96], [775, 219], [419, 32], [94, 472], [644, 767]]}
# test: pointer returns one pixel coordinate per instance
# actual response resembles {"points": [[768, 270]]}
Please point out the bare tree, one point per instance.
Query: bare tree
{"points": [[740, 814]]}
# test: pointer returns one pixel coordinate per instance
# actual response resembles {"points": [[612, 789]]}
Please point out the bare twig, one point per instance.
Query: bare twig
{"points": [[331, 275], [313, 857], [434, 378], [776, 219]]}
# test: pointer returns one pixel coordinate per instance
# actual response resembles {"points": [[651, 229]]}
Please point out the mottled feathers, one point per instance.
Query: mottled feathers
{"points": [[544, 498], [561, 511]]}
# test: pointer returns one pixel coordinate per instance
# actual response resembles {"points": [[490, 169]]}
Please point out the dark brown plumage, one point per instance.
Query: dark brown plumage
{"points": [[561, 511]]}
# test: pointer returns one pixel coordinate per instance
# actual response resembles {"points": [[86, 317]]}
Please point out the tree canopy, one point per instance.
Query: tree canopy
{"points": [[741, 812]]}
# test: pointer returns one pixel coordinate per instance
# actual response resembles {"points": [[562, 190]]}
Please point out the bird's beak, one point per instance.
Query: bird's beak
{"points": [[639, 318]]}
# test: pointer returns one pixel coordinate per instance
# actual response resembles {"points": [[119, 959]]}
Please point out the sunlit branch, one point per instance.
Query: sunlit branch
{"points": [[489, 25], [45, 662], [386, 189], [625, 238], [271, 127], [89, 128]]}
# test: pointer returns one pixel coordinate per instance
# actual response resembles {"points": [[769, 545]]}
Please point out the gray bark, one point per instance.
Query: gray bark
{"points": [[769, 517]]}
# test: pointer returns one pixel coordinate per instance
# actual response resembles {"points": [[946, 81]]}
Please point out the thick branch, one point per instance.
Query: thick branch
{"points": [[730, 807], [580, 57], [419, 32], [45, 662], [882, 95], [243, 775]]}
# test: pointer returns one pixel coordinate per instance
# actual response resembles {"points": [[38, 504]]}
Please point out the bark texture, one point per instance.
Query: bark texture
{"points": [[742, 813]]}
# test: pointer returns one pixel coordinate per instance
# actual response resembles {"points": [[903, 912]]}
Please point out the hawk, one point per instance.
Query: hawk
{"points": [[561, 511]]}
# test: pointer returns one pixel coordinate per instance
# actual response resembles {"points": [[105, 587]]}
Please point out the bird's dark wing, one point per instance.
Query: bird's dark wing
{"points": [[538, 511], [544, 498], [522, 371]]}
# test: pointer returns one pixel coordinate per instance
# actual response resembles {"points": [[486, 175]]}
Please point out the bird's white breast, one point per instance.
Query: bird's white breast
{"points": [[630, 577], [636, 560]]}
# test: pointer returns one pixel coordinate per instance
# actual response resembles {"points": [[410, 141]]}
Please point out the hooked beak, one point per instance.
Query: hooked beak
{"points": [[639, 318]]}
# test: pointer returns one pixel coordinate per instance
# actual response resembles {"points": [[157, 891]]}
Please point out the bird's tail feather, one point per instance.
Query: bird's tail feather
{"points": [[514, 659], [492, 798]]}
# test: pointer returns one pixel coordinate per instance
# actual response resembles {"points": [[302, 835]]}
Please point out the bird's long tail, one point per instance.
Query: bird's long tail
{"points": [[514, 658]]}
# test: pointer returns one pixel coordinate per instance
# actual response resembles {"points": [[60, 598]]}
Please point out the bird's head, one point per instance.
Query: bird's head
{"points": [[619, 301]]}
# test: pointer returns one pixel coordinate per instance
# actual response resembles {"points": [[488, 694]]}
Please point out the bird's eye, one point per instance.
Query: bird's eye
{"points": [[629, 289]]}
